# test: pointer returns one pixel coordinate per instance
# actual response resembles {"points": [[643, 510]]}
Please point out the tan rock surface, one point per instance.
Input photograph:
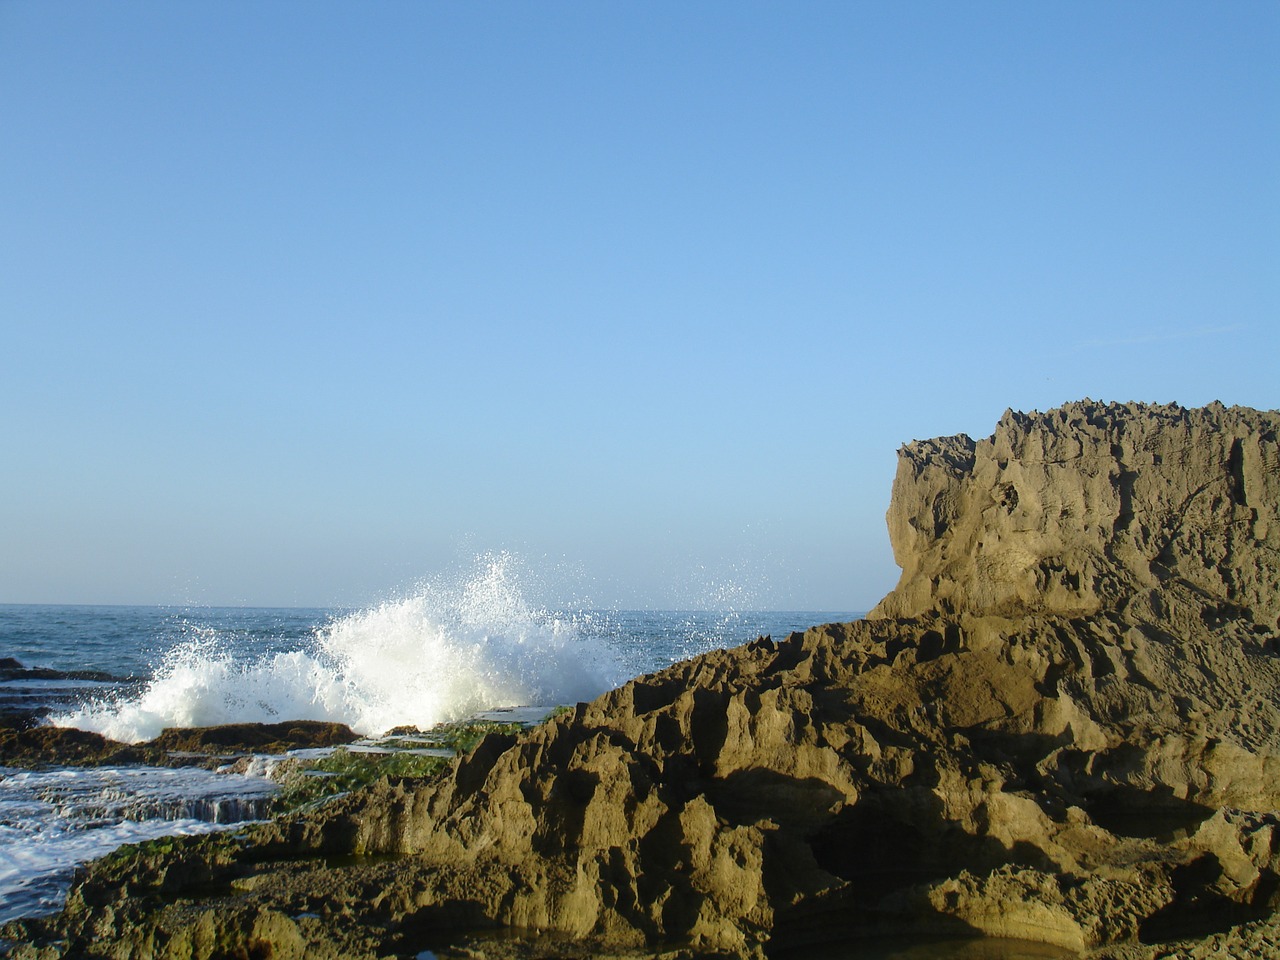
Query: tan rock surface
{"points": [[1062, 726], [1090, 507]]}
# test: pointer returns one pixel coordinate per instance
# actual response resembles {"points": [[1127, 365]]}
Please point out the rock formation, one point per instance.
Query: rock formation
{"points": [[1088, 508], [1063, 725], [24, 745]]}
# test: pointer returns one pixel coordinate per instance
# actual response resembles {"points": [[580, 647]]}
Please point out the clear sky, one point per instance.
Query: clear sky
{"points": [[301, 302]]}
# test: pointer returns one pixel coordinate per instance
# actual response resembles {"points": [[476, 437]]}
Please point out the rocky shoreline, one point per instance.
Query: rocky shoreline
{"points": [[32, 746], [1062, 726]]}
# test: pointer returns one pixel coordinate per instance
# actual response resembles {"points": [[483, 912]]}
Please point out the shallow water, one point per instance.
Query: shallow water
{"points": [[855, 948], [984, 948], [51, 821]]}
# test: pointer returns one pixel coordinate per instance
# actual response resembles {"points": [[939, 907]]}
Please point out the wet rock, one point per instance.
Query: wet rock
{"points": [[255, 737], [11, 669], [35, 746]]}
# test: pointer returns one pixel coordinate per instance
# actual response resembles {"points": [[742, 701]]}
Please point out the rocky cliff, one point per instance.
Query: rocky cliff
{"points": [[1090, 508], [1063, 726]]}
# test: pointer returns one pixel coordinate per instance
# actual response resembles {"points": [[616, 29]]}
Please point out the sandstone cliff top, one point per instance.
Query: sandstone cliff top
{"points": [[1092, 507]]}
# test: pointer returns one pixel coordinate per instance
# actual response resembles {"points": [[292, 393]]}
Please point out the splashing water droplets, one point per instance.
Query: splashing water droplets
{"points": [[446, 652]]}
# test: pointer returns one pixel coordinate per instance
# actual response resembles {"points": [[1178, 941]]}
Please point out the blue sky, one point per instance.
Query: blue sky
{"points": [[301, 302]]}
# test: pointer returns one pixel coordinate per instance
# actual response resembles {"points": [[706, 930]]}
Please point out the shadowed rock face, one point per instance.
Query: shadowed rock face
{"points": [[1063, 726]]}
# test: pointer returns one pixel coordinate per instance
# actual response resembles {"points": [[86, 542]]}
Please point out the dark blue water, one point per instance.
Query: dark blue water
{"points": [[130, 641]]}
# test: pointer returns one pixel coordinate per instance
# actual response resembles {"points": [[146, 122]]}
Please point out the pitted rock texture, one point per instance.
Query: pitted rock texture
{"points": [[1063, 726], [1091, 507]]}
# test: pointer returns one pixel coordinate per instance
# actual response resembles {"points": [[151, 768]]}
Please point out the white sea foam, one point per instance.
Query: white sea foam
{"points": [[53, 820], [443, 653]]}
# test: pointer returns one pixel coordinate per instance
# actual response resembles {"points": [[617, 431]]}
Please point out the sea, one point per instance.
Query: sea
{"points": [[441, 652]]}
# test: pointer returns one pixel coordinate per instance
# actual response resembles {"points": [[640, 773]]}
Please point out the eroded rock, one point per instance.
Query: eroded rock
{"points": [[1093, 507]]}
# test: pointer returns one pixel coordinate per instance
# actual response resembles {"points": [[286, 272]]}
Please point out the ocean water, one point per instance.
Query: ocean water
{"points": [[443, 651]]}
